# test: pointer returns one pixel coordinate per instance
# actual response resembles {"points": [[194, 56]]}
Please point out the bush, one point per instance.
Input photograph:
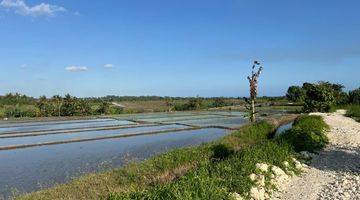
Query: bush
{"points": [[354, 112], [354, 96], [19, 111], [222, 151], [307, 134]]}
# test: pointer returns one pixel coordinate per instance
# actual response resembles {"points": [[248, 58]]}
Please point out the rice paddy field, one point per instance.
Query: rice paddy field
{"points": [[40, 154]]}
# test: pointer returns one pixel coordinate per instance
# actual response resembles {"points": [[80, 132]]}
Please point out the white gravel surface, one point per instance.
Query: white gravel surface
{"points": [[335, 172]]}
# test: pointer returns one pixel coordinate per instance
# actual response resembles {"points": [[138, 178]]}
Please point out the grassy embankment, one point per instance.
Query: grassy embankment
{"points": [[209, 171]]}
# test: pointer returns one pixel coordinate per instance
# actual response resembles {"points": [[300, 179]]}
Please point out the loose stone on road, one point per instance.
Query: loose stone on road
{"points": [[334, 173]]}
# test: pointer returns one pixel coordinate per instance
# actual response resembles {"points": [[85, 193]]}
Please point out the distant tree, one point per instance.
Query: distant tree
{"points": [[169, 102], [295, 94], [195, 103], [59, 102], [103, 108], [354, 96], [68, 107], [340, 96], [41, 105], [307, 86], [82, 107], [219, 102], [253, 81]]}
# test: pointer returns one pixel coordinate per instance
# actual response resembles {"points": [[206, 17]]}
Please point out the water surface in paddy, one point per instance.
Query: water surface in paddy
{"points": [[228, 122], [36, 123], [283, 128], [62, 126], [31, 169], [83, 135]]}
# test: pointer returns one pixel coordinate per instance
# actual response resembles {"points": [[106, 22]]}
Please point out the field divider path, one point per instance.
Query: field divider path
{"points": [[53, 122], [95, 138], [334, 173], [64, 131]]}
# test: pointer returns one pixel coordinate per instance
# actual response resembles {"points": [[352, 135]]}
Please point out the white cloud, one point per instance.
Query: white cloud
{"points": [[108, 65], [42, 9], [74, 68]]}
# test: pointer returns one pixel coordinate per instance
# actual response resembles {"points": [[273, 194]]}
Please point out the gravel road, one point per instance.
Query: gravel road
{"points": [[335, 172]]}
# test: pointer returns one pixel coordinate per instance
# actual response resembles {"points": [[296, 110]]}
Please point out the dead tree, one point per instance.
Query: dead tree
{"points": [[253, 80]]}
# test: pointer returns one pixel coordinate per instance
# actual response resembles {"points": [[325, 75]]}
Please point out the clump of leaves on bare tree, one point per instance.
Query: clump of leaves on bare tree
{"points": [[253, 80]]}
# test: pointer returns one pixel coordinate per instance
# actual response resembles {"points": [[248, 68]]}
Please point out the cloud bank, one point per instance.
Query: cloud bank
{"points": [[74, 68], [42, 9]]}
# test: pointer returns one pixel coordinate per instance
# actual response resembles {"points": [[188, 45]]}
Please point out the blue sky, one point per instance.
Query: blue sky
{"points": [[175, 47]]}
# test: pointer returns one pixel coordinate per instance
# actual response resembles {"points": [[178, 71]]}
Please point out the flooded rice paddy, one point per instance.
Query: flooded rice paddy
{"points": [[36, 155]]}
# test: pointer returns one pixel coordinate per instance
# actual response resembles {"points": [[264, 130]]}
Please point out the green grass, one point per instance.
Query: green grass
{"points": [[354, 112], [216, 180]]}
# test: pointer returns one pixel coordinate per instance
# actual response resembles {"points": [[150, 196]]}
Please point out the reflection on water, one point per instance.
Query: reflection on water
{"points": [[30, 169], [52, 126], [83, 135], [283, 128]]}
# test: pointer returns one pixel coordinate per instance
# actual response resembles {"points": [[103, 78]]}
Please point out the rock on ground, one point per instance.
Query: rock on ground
{"points": [[335, 172]]}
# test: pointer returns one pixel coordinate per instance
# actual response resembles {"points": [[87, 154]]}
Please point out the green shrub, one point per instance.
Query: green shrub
{"points": [[2, 112], [354, 96], [311, 123], [19, 111], [222, 151], [354, 112], [307, 134]]}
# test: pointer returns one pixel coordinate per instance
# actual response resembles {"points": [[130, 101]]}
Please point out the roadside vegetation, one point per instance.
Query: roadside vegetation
{"points": [[353, 111], [307, 134]]}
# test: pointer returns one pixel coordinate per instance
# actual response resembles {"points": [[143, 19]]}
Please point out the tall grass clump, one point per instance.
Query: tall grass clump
{"points": [[354, 112], [307, 134]]}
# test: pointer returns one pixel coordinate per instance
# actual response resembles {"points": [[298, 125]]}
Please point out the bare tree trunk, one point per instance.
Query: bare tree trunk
{"points": [[253, 119], [253, 80]]}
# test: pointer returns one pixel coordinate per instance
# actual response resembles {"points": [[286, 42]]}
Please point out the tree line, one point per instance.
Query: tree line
{"points": [[17, 105], [321, 96]]}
